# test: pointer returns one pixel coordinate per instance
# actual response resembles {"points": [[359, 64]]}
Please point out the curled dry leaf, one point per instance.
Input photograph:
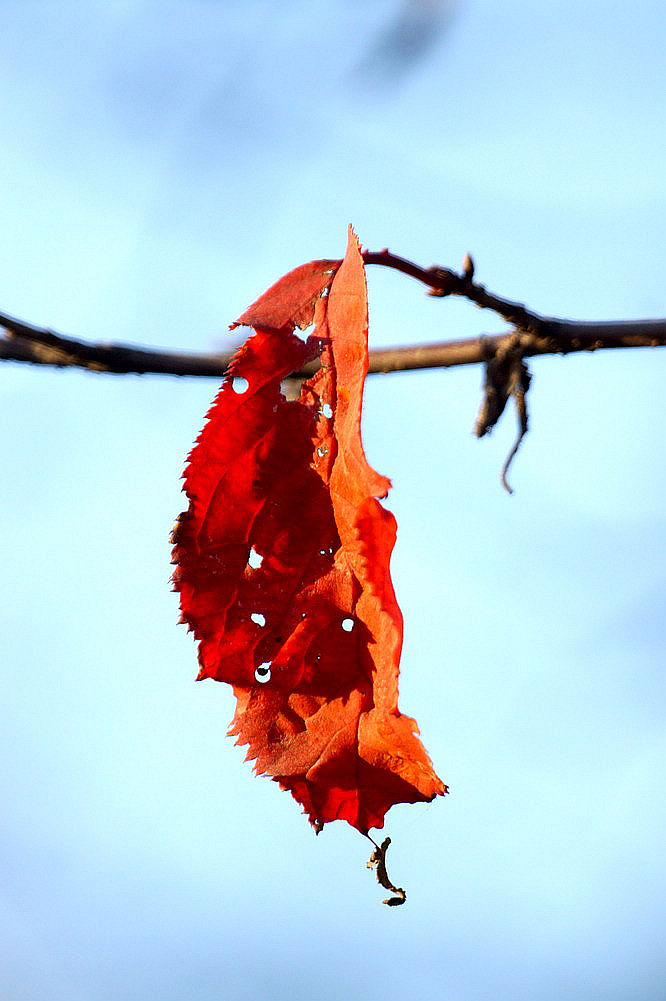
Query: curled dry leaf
{"points": [[377, 862], [283, 560]]}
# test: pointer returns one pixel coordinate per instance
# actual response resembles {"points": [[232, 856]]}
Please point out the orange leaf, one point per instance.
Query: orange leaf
{"points": [[283, 560]]}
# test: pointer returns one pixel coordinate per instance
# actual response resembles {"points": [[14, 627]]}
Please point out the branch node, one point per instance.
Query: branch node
{"points": [[446, 281]]}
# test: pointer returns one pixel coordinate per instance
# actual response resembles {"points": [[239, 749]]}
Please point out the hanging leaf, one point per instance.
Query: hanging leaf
{"points": [[283, 559]]}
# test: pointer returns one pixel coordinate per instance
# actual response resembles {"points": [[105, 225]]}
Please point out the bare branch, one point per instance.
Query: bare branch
{"points": [[23, 342], [537, 335]]}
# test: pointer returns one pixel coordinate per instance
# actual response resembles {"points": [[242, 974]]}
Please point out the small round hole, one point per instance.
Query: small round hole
{"points": [[239, 384], [327, 410], [303, 334], [255, 559], [347, 625], [258, 618], [263, 672]]}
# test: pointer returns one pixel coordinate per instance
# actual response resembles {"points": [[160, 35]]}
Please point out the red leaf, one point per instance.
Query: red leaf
{"points": [[283, 560]]}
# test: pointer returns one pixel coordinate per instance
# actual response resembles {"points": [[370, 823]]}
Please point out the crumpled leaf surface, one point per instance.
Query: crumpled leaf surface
{"points": [[283, 560]]}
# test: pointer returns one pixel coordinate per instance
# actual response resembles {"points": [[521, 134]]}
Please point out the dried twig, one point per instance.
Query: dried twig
{"points": [[24, 343], [503, 355], [539, 335]]}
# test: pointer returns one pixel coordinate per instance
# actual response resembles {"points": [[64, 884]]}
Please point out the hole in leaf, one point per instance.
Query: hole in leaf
{"points": [[304, 334], [347, 625], [258, 618], [255, 559], [327, 410], [263, 672], [239, 384], [322, 450]]}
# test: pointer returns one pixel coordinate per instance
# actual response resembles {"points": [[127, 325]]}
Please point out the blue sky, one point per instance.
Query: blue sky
{"points": [[163, 164]]}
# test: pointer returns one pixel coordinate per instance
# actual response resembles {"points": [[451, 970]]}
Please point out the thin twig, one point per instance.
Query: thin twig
{"points": [[443, 282], [25, 343], [531, 335]]}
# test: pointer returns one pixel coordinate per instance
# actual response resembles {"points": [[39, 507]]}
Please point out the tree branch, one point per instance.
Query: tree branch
{"points": [[537, 335], [24, 343]]}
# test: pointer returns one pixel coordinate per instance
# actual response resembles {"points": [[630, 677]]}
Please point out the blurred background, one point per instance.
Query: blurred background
{"points": [[163, 163]]}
